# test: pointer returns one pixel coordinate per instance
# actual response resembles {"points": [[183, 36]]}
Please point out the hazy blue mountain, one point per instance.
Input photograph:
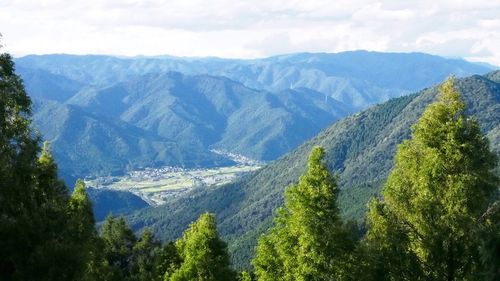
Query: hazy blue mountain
{"points": [[41, 84], [359, 148], [106, 114], [358, 78]]}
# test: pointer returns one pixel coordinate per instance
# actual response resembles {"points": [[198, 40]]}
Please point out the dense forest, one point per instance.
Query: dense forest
{"points": [[437, 217]]}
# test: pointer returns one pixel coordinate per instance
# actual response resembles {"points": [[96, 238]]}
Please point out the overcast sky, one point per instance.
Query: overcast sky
{"points": [[250, 29]]}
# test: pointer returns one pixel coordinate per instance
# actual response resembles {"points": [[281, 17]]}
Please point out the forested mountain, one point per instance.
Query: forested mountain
{"points": [[173, 119], [359, 148], [107, 114]]}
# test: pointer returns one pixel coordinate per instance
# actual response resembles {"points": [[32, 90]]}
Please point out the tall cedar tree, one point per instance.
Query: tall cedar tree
{"points": [[309, 241], [82, 230], [117, 255], [35, 240], [433, 219], [119, 241], [204, 255], [151, 260]]}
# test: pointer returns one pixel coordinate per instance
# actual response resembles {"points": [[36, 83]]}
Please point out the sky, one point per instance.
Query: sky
{"points": [[251, 29]]}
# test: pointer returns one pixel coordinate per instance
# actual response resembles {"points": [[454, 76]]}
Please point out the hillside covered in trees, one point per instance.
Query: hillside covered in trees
{"points": [[359, 149], [437, 217]]}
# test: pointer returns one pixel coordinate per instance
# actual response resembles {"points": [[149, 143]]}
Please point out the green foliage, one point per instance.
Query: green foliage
{"points": [[145, 258], [118, 255], [119, 241], [490, 244], [309, 240], [435, 197], [438, 220], [204, 256], [45, 234], [81, 214], [38, 232], [168, 260], [245, 276]]}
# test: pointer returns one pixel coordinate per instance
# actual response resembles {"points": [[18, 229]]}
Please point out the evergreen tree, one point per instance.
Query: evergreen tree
{"points": [[54, 258], [35, 241], [168, 260], [147, 259], [309, 241], [18, 155], [119, 255], [204, 255], [490, 244], [81, 213], [430, 226], [82, 231], [98, 268], [118, 241]]}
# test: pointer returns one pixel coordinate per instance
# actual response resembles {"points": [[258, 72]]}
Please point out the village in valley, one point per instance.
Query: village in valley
{"points": [[157, 185]]}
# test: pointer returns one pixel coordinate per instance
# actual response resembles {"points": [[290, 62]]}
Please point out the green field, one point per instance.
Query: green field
{"points": [[155, 186]]}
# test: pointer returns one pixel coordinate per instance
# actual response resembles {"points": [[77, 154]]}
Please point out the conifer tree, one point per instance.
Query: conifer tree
{"points": [[18, 155], [204, 255], [34, 239], [82, 231], [80, 211], [56, 256], [309, 241], [168, 260], [119, 241], [146, 255], [429, 224]]}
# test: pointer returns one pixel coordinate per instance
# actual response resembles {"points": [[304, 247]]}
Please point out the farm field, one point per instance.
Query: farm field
{"points": [[157, 185]]}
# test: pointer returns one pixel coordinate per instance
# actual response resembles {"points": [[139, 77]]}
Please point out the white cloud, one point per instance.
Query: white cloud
{"points": [[231, 28]]}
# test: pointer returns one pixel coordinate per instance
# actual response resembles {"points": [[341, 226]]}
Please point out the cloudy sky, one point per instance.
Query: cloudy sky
{"points": [[250, 29]]}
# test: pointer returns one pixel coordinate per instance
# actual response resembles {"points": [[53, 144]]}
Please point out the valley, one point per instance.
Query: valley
{"points": [[157, 185]]}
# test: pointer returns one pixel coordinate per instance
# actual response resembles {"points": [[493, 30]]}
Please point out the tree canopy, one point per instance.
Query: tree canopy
{"points": [[431, 222], [204, 255], [42, 230], [309, 241]]}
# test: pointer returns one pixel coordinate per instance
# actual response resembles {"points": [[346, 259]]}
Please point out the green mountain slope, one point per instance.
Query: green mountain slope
{"points": [[175, 119], [88, 144], [210, 112], [359, 148]]}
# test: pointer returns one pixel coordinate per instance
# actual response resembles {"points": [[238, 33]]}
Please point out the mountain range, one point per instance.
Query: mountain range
{"points": [[105, 115], [359, 149]]}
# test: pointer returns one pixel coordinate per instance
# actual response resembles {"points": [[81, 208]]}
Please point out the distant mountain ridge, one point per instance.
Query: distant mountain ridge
{"points": [[107, 114]]}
